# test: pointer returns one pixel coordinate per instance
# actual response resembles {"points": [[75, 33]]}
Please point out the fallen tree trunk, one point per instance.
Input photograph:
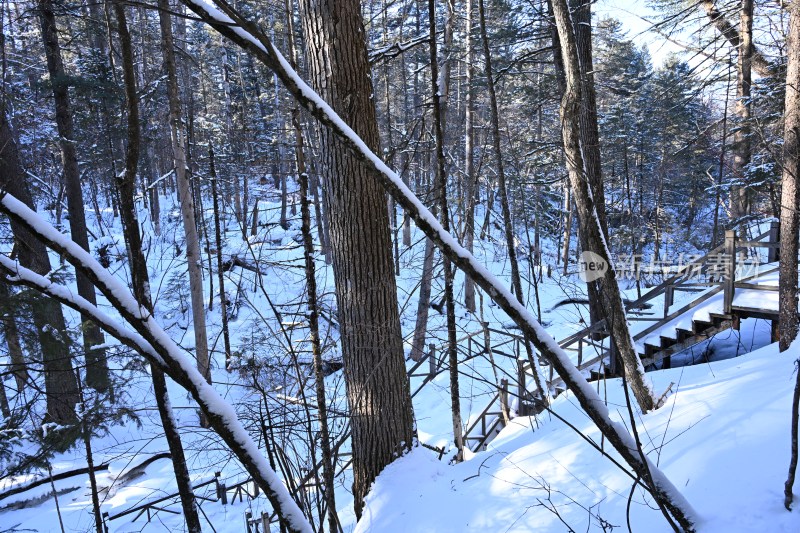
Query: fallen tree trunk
{"points": [[57, 477]]}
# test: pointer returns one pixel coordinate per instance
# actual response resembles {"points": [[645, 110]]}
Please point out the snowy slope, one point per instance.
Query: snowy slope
{"points": [[723, 439]]}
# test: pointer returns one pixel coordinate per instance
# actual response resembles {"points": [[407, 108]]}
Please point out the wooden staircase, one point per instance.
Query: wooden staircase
{"points": [[594, 351]]}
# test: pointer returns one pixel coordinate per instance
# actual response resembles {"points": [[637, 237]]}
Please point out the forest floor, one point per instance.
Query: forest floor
{"points": [[722, 437]]}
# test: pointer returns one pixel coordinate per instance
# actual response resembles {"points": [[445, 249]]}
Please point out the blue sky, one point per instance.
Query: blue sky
{"points": [[634, 15]]}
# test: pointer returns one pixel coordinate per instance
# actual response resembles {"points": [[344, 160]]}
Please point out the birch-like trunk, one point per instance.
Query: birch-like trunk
{"points": [[185, 192], [587, 213]]}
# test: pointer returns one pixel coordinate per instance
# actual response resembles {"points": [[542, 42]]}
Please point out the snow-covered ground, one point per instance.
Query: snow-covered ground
{"points": [[722, 438], [499, 490]]}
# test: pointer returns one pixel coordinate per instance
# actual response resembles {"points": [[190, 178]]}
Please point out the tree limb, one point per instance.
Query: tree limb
{"points": [[152, 342], [759, 63]]}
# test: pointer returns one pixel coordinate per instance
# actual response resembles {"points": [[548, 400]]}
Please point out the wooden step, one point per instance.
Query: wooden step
{"points": [[683, 334], [650, 350], [699, 326], [666, 342], [719, 318]]}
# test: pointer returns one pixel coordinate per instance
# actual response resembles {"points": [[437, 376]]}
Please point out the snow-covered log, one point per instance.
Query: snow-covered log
{"points": [[149, 339]]}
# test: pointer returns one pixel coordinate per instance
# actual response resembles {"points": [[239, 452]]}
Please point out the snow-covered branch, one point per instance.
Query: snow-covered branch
{"points": [[148, 338]]}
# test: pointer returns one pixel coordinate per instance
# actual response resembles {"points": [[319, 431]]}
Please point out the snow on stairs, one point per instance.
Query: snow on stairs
{"points": [[684, 339], [706, 277]]}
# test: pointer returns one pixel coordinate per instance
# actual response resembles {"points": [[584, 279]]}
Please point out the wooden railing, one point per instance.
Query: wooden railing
{"points": [[711, 274]]}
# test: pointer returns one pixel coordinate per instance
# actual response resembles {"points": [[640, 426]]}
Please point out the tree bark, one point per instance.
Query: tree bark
{"points": [[186, 198], [469, 156], [377, 386], [741, 136], [790, 191], [96, 364], [790, 225], [441, 188], [590, 138]]}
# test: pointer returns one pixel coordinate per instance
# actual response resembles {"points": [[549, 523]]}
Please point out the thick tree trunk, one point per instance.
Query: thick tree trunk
{"points": [[377, 386], [790, 225], [790, 190], [138, 266], [587, 213], [96, 365], [61, 388], [185, 192], [590, 137]]}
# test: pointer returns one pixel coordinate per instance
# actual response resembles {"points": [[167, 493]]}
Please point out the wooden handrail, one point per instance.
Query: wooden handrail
{"points": [[675, 282]]}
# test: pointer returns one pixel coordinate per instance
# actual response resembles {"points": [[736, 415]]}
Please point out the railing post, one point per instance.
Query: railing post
{"points": [[504, 401], [432, 362], [522, 386], [247, 516], [774, 236], [669, 298], [612, 356], [486, 340], [222, 492], [265, 522], [580, 352], [730, 268]]}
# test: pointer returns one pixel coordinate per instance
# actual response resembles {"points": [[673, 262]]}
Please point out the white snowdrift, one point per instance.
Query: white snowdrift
{"points": [[723, 439]]}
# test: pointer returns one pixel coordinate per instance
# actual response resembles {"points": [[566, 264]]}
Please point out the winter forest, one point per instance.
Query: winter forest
{"points": [[399, 265]]}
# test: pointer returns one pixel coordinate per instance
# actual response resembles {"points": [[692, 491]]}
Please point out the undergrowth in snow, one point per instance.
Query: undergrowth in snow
{"points": [[722, 438]]}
